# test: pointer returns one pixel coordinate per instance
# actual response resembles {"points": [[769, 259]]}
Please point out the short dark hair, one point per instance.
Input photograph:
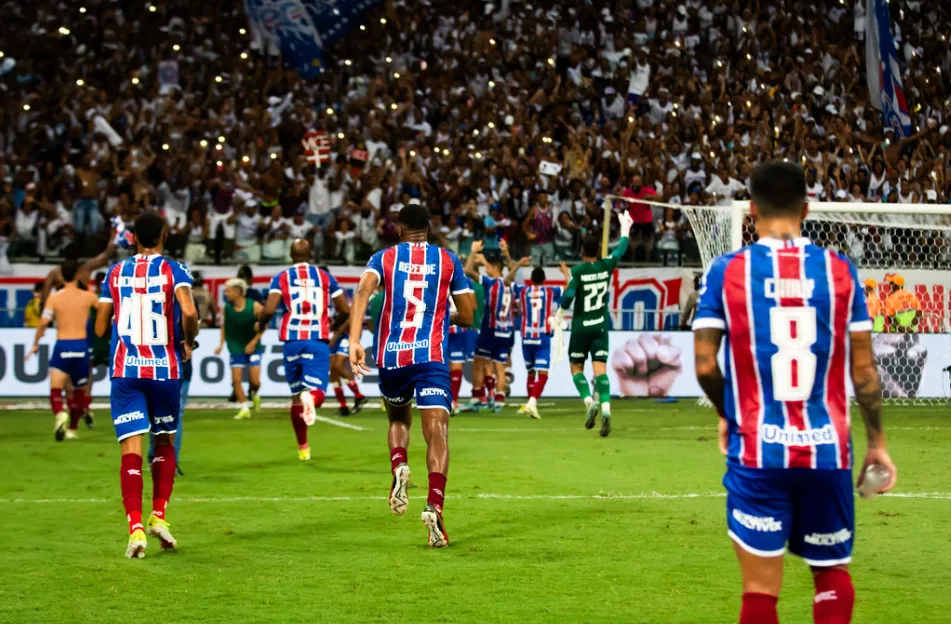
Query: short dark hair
{"points": [[244, 272], [38, 286], [69, 269], [148, 229], [590, 246], [494, 258], [414, 217], [778, 188], [538, 276]]}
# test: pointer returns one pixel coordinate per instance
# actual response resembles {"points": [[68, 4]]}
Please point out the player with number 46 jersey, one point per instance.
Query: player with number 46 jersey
{"points": [[150, 297], [306, 292], [795, 321]]}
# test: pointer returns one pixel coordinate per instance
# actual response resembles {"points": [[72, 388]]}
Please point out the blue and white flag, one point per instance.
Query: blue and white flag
{"points": [[302, 29], [882, 69]]}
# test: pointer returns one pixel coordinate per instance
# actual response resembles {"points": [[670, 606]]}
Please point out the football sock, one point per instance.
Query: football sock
{"points": [[530, 383], [478, 395], [499, 399], [130, 480], [455, 382], [75, 408], [397, 456], [300, 427], [603, 385], [759, 609], [489, 385], [163, 477], [834, 598], [437, 489], [539, 386], [582, 385], [87, 400], [355, 389], [56, 400], [338, 392], [319, 397]]}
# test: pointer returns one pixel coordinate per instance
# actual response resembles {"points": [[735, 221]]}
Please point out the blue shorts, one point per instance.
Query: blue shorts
{"points": [[537, 353], [341, 347], [429, 382], [495, 347], [142, 405], [462, 346], [306, 365], [72, 357], [243, 360], [811, 510]]}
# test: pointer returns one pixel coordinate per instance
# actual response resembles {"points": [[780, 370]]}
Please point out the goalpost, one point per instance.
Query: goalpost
{"points": [[910, 240]]}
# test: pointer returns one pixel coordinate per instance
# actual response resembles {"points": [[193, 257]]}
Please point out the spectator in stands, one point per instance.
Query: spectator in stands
{"points": [[33, 312], [539, 228], [196, 233], [204, 302], [643, 231]]}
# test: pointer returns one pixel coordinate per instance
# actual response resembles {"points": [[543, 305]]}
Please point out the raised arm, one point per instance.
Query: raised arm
{"points": [[472, 262], [361, 298], [868, 394], [513, 271]]}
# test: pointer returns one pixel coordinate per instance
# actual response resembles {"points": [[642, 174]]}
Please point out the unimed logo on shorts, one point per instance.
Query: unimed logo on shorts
{"points": [[828, 539], [125, 418], [756, 523]]}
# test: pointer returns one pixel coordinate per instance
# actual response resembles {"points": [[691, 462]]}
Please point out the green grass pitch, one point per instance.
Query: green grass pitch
{"points": [[548, 523]]}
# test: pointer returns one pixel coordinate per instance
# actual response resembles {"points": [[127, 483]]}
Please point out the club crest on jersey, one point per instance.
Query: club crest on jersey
{"points": [[788, 288]]}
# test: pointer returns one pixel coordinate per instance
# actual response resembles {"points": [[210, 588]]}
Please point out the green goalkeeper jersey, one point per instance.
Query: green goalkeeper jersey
{"points": [[588, 290]]}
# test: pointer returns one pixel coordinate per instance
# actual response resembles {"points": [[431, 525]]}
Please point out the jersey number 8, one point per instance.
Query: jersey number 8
{"points": [[140, 324], [793, 331]]}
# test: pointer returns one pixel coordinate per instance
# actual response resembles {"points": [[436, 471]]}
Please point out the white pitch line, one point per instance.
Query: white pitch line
{"points": [[485, 496], [337, 423]]}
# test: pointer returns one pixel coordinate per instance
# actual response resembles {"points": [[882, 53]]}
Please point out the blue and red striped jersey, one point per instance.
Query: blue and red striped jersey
{"points": [[498, 306], [787, 308], [418, 280], [537, 305], [145, 330], [306, 291]]}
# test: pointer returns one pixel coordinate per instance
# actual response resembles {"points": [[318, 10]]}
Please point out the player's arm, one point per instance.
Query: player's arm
{"points": [[624, 217], [221, 343], [513, 270], [472, 262], [365, 289], [868, 394], [103, 317], [45, 319], [252, 346], [706, 346], [97, 262], [464, 314], [52, 278], [189, 315], [343, 311], [506, 256]]}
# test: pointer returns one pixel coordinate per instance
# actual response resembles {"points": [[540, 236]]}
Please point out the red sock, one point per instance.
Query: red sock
{"points": [[338, 392], [87, 400], [455, 382], [437, 489], [355, 389], [489, 385], [130, 480], [530, 384], [300, 427], [397, 457], [56, 400], [163, 477], [835, 597], [478, 395], [319, 396], [76, 408], [499, 398], [539, 386], [759, 609]]}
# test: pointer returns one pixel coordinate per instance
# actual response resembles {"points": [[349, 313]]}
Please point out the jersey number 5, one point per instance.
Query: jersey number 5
{"points": [[140, 324], [793, 331], [419, 306]]}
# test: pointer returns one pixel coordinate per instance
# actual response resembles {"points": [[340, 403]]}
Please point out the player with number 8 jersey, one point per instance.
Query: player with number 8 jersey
{"points": [[305, 291], [151, 299]]}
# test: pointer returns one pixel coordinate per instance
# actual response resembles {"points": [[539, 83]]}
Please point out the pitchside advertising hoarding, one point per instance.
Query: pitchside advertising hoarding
{"points": [[642, 364]]}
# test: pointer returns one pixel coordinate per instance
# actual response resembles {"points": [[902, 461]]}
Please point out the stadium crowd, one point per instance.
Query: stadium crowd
{"points": [[509, 120]]}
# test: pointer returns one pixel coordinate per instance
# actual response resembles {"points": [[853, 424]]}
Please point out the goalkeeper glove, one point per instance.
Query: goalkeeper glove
{"points": [[626, 221]]}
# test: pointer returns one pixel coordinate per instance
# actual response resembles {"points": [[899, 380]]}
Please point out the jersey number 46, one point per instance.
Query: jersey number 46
{"points": [[139, 323]]}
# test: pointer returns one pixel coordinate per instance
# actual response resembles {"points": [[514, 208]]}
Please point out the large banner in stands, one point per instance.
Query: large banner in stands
{"points": [[649, 299], [642, 364]]}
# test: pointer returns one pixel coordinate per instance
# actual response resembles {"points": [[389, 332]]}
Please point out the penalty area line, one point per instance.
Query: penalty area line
{"points": [[482, 496]]}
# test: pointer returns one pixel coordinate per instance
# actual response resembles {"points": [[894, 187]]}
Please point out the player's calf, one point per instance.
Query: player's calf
{"points": [[759, 609], [835, 596]]}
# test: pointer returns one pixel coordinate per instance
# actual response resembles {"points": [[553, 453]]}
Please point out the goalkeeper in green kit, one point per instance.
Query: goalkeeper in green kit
{"points": [[588, 285]]}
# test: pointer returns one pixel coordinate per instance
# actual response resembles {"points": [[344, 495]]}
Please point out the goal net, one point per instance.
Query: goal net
{"points": [[910, 241]]}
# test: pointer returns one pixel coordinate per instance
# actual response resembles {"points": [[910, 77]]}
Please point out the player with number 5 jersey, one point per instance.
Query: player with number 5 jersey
{"points": [[150, 297], [306, 292], [795, 322], [412, 352]]}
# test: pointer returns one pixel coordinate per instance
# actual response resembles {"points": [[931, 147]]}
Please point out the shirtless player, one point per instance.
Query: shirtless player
{"points": [[70, 308]]}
